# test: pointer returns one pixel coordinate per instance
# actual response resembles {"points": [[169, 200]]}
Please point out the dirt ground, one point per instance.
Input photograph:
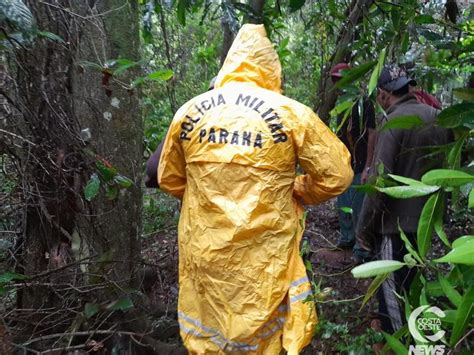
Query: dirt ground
{"points": [[342, 328]]}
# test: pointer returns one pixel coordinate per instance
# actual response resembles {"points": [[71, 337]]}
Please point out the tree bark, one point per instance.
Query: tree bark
{"points": [[59, 102], [326, 96], [257, 7]]}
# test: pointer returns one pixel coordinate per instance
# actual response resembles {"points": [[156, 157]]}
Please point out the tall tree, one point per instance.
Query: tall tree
{"points": [[81, 132]]}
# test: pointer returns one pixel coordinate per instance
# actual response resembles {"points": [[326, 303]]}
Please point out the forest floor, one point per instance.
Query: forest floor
{"points": [[342, 327]]}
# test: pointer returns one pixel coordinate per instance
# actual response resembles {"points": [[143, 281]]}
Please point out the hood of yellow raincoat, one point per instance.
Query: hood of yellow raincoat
{"points": [[251, 59]]}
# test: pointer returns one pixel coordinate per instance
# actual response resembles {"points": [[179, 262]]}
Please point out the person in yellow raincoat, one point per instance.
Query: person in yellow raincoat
{"points": [[231, 154]]}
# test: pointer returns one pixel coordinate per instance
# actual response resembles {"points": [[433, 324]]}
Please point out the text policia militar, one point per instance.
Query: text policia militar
{"points": [[222, 136]]}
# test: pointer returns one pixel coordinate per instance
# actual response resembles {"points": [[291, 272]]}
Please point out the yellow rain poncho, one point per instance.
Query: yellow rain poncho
{"points": [[231, 155]]}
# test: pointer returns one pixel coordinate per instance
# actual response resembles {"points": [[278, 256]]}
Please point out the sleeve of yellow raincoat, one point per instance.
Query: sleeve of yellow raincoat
{"points": [[325, 160], [172, 167]]}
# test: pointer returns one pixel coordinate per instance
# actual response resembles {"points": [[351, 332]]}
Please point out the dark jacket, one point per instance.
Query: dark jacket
{"points": [[402, 152]]}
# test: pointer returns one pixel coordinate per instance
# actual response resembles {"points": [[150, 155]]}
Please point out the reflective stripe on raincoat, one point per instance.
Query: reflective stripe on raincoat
{"points": [[230, 155]]}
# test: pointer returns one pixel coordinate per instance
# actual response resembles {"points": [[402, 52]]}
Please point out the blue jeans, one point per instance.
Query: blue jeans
{"points": [[348, 221]]}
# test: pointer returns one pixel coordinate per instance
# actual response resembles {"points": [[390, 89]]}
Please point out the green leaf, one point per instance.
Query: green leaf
{"points": [[470, 203], [10, 276], [123, 181], [121, 304], [424, 19], [161, 75], [438, 226], [373, 287], [454, 297], [347, 210], [457, 115], [395, 344], [375, 268], [430, 35], [403, 122], [408, 245], [296, 5], [447, 178], [111, 192], [107, 172], [17, 13], [92, 187], [463, 317], [463, 254], [408, 191], [90, 309], [431, 212], [405, 180], [51, 36], [181, 12], [376, 72], [464, 94], [342, 107], [454, 155], [309, 266], [461, 240], [405, 42], [351, 75]]}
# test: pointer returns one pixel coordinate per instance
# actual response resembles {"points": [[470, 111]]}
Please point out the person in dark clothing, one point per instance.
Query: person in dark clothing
{"points": [[402, 152], [359, 137]]}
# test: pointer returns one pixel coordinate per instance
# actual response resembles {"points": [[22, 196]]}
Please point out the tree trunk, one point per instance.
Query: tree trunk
{"points": [[257, 7], [326, 96], [71, 117]]}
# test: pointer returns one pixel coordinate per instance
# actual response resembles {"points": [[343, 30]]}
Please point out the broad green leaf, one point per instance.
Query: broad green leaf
{"points": [[432, 211], [354, 74], [463, 317], [395, 344], [92, 187], [454, 297], [375, 268], [403, 122], [463, 254], [457, 115], [161, 75], [424, 19], [309, 266], [461, 240], [407, 181], [376, 72], [373, 287], [296, 4], [90, 309], [10, 276], [408, 245], [464, 94], [123, 181], [408, 191], [342, 107], [447, 178], [121, 304]]}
